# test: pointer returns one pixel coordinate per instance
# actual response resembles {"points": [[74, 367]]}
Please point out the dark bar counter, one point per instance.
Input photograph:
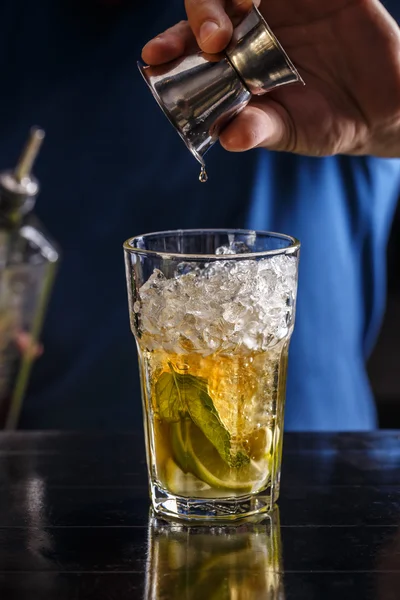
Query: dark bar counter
{"points": [[75, 524]]}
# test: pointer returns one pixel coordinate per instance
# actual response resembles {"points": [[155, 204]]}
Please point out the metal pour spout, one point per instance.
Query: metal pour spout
{"points": [[18, 187], [29, 154]]}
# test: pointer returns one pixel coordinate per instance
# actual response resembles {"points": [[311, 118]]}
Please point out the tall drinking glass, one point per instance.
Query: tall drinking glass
{"points": [[213, 312]]}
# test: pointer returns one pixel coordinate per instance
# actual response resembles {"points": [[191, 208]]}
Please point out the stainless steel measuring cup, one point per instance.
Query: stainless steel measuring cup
{"points": [[201, 93]]}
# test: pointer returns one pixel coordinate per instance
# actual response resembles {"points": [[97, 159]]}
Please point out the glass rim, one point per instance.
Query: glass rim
{"points": [[292, 248]]}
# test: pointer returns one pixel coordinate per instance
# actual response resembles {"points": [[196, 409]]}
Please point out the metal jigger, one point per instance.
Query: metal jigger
{"points": [[201, 93]]}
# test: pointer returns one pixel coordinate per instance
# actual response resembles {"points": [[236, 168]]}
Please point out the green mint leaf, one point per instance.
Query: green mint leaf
{"points": [[171, 405], [178, 394], [201, 409]]}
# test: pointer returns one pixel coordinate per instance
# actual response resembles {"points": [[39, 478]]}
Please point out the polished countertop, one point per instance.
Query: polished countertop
{"points": [[75, 524]]}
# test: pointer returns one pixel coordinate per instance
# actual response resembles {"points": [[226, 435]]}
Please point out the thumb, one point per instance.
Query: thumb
{"points": [[268, 126]]}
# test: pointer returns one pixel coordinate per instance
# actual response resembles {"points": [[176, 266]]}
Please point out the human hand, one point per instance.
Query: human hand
{"points": [[348, 53]]}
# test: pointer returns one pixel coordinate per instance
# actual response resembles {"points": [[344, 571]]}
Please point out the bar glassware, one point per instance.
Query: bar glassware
{"points": [[212, 312]]}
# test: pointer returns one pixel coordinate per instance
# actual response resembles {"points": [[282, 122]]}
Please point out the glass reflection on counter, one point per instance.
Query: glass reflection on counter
{"points": [[229, 562]]}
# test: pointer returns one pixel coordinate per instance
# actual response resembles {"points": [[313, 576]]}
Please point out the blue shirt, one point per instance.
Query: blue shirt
{"points": [[112, 167]]}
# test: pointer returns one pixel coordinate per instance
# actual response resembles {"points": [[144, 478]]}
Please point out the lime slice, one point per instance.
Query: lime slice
{"points": [[194, 453], [259, 443]]}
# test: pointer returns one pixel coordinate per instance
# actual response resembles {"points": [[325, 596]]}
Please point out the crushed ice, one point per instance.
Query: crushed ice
{"points": [[222, 306]]}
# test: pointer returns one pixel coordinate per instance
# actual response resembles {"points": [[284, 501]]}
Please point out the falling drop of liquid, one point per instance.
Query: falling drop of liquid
{"points": [[203, 177]]}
